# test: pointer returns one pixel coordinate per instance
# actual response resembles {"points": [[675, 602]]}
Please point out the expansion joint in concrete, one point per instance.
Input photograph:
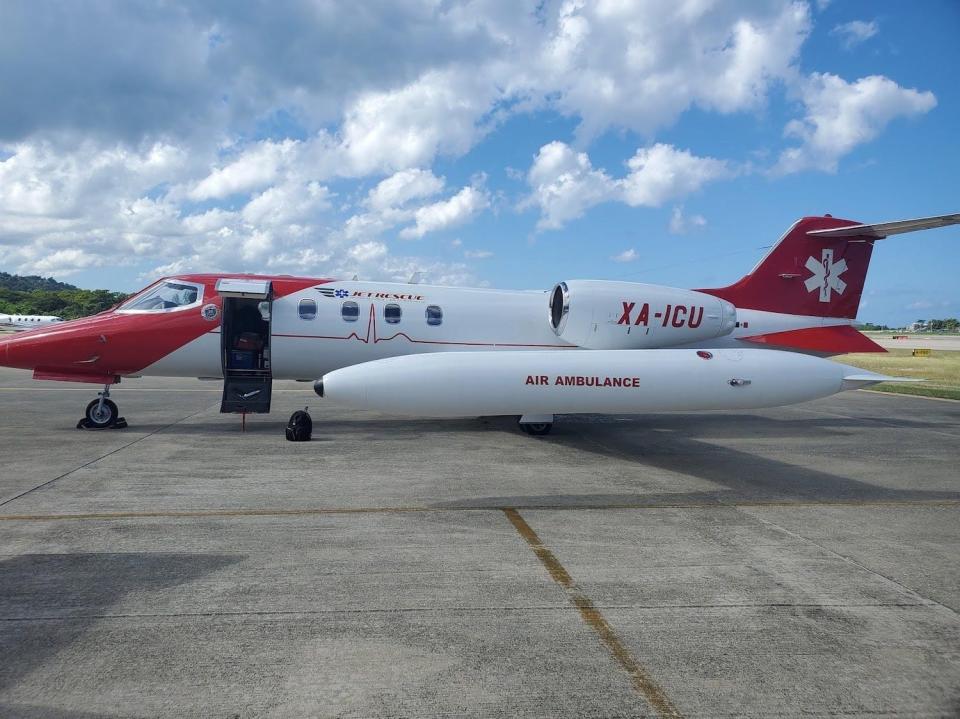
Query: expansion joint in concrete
{"points": [[593, 618]]}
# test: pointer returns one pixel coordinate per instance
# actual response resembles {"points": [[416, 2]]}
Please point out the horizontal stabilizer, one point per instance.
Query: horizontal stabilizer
{"points": [[857, 378], [884, 229], [834, 339]]}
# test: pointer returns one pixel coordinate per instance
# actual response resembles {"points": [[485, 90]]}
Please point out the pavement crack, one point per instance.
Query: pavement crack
{"points": [[450, 610], [310, 511], [850, 560], [875, 420], [101, 457]]}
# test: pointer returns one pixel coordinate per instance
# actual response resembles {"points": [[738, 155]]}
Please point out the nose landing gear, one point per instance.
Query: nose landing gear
{"points": [[102, 413]]}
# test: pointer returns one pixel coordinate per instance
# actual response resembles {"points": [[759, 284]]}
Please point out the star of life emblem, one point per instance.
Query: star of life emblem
{"points": [[826, 275], [332, 292]]}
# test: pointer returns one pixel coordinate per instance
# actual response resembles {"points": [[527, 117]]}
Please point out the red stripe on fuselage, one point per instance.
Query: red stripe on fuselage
{"points": [[117, 343]]}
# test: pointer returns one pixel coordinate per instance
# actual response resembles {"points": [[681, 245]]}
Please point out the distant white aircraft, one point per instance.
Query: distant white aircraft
{"points": [[27, 322]]}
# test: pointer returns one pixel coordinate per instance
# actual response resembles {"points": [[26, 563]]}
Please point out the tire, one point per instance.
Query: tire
{"points": [[101, 419], [537, 429]]}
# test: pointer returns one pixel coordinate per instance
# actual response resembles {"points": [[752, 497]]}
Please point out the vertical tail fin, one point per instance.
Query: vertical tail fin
{"points": [[819, 275]]}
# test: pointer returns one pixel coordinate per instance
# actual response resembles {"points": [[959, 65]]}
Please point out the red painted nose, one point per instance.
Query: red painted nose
{"points": [[8, 352], [61, 349], [23, 351]]}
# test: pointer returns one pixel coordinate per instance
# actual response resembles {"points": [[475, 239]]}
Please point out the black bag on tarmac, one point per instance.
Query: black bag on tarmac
{"points": [[300, 426]]}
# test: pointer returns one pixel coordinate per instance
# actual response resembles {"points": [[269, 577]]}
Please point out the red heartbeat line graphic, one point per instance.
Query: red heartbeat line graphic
{"points": [[372, 336]]}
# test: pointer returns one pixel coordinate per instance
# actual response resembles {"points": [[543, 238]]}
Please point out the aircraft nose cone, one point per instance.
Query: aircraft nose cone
{"points": [[11, 352], [27, 351], [8, 352]]}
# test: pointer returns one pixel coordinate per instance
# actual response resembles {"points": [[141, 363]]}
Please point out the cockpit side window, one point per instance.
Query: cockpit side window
{"points": [[165, 296]]}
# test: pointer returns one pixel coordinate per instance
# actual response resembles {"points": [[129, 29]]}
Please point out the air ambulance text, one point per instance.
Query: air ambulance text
{"points": [[582, 381]]}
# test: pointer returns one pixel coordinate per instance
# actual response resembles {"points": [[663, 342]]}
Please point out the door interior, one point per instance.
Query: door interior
{"points": [[245, 345]]}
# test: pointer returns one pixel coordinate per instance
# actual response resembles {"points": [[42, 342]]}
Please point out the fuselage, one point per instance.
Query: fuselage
{"points": [[319, 325], [314, 332], [575, 347]]}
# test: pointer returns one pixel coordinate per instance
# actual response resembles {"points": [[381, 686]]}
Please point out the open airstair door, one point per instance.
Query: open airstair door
{"points": [[245, 344]]}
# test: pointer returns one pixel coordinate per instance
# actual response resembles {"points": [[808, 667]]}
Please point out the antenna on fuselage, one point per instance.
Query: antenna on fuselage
{"points": [[415, 278]]}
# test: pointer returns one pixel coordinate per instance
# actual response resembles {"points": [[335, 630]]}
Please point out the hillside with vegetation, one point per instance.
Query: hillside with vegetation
{"points": [[33, 295]]}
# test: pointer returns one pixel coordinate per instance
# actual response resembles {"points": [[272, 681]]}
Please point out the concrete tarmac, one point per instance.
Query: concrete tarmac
{"points": [[793, 562], [907, 341]]}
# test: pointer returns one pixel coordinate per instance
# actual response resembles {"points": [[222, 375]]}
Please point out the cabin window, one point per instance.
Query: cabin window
{"points": [[391, 314], [350, 311], [307, 309], [434, 315]]}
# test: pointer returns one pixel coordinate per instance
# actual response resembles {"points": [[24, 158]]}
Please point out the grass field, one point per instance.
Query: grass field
{"points": [[941, 369]]}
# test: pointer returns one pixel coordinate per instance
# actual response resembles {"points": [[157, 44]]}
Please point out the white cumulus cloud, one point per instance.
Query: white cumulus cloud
{"points": [[680, 223], [662, 172], [639, 65], [409, 126], [201, 136], [565, 184], [366, 251], [256, 167], [855, 32], [841, 115], [403, 186], [478, 254], [447, 213], [286, 204]]}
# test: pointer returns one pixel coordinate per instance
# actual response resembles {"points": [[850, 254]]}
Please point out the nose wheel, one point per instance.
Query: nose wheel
{"points": [[102, 413]]}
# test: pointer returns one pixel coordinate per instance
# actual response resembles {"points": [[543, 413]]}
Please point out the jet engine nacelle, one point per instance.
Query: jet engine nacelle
{"points": [[596, 314]]}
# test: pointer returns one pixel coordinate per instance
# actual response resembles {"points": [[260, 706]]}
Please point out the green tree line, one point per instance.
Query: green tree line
{"points": [[34, 295], [950, 324]]}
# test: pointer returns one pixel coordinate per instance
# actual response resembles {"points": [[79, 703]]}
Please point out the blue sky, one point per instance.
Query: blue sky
{"points": [[481, 143]]}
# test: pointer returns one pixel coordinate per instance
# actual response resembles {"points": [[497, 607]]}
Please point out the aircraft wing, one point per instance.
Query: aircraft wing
{"points": [[884, 229]]}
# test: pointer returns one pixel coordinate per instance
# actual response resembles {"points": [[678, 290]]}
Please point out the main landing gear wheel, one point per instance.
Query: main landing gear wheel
{"points": [[537, 429]]}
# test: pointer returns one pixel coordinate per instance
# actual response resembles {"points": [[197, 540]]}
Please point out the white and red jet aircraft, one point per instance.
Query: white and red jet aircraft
{"points": [[18, 323], [443, 351]]}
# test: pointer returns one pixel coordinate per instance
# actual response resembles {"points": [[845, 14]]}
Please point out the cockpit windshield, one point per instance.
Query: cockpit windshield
{"points": [[165, 295]]}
